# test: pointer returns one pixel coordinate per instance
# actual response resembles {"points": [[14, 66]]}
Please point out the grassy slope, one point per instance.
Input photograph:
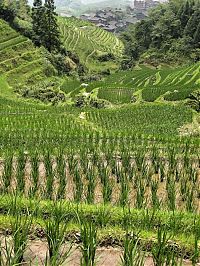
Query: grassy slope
{"points": [[87, 41], [144, 84], [21, 63]]}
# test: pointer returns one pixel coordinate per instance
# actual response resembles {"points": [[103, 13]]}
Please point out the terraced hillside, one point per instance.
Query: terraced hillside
{"points": [[145, 84], [120, 175], [90, 42], [21, 63]]}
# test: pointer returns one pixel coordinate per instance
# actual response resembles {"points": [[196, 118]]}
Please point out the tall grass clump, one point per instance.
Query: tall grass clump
{"points": [[61, 175], [7, 172], [21, 171], [132, 254], [89, 242], [55, 230]]}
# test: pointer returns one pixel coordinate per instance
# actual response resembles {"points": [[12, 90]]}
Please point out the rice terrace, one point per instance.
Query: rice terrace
{"points": [[99, 137]]}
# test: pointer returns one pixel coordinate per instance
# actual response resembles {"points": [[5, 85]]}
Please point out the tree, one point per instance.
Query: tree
{"points": [[23, 9], [169, 33], [194, 100], [6, 12], [38, 20], [192, 23], [51, 32], [185, 12], [197, 37]]}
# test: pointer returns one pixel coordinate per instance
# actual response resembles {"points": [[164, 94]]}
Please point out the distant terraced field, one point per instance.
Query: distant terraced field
{"points": [[147, 84], [89, 41]]}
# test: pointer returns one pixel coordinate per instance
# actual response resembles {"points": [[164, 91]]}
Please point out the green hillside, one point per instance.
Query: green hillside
{"points": [[144, 84], [90, 42], [115, 163], [21, 63]]}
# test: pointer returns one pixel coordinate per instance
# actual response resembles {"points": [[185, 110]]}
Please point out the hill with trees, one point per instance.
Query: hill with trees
{"points": [[170, 34]]}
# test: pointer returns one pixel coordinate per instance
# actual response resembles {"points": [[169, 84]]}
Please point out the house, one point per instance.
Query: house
{"points": [[144, 4]]}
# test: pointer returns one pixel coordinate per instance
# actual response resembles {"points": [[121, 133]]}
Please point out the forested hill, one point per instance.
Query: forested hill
{"points": [[170, 34]]}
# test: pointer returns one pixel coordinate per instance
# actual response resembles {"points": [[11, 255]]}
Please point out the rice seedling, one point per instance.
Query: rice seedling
{"points": [[107, 186], [171, 192], [7, 255], [20, 226], [7, 172], [89, 242], [140, 200], [78, 185], [190, 205], [20, 171], [91, 178], [154, 195], [72, 163], [49, 176], [34, 175], [55, 230], [162, 253], [61, 174], [132, 254], [123, 201]]}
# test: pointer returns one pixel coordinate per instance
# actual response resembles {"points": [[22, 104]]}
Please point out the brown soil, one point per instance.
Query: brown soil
{"points": [[98, 198], [108, 256], [37, 249]]}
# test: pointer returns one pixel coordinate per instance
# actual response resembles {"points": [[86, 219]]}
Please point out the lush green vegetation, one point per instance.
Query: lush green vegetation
{"points": [[90, 42], [143, 83], [121, 169], [169, 35], [21, 63]]}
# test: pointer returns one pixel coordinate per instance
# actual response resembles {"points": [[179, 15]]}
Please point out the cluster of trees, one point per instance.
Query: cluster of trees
{"points": [[10, 9], [38, 23], [7, 12], [45, 27], [171, 32]]}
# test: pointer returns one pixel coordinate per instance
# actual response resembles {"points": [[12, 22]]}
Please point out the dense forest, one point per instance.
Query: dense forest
{"points": [[170, 34]]}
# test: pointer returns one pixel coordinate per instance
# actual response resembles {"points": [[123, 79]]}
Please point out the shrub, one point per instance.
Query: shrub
{"points": [[194, 100], [106, 57]]}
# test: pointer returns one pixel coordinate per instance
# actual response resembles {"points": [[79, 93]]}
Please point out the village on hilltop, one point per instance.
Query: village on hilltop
{"points": [[117, 19]]}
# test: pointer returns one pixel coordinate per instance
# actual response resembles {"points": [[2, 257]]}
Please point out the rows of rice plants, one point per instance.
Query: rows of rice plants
{"points": [[157, 178], [174, 87], [116, 95], [88, 40], [55, 230], [150, 119], [154, 84], [32, 127]]}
